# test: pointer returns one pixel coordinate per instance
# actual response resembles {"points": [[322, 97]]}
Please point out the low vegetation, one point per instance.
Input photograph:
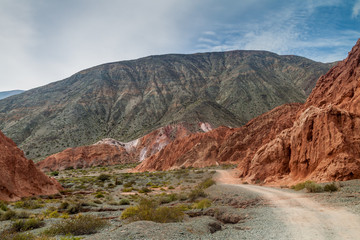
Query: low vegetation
{"points": [[80, 225], [149, 210]]}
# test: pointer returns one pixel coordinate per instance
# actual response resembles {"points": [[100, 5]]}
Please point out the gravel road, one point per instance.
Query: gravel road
{"points": [[303, 218]]}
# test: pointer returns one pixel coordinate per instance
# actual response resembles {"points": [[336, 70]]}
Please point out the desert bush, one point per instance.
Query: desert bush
{"points": [[300, 186], [81, 225], [25, 225], [313, 187], [196, 193], [28, 204], [148, 210], [63, 206], [3, 206], [144, 190], [330, 187], [124, 201], [128, 184], [8, 215], [54, 173], [8, 235], [171, 187], [207, 183], [103, 177], [204, 203], [99, 195], [127, 189], [74, 208]]}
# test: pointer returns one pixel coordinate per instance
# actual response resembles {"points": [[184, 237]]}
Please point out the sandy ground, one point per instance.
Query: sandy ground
{"points": [[303, 217]]}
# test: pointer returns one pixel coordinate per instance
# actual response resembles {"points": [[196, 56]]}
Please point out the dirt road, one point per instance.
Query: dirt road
{"points": [[303, 218]]}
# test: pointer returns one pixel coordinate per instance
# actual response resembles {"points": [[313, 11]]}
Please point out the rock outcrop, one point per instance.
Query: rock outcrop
{"points": [[19, 177], [324, 142], [223, 145], [111, 152], [86, 156]]}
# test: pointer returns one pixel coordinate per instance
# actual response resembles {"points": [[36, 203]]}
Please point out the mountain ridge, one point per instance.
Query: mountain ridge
{"points": [[128, 99]]}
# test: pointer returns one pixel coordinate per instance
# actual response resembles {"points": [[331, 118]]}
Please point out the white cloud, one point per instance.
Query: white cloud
{"points": [[356, 9]]}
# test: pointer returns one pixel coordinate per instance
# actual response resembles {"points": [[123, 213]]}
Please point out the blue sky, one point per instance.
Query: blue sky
{"points": [[42, 41]]}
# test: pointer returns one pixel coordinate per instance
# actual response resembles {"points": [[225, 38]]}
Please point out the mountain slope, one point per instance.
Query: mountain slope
{"points": [[126, 100], [9, 93]]}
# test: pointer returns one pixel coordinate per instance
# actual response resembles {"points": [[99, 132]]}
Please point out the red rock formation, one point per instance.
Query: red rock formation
{"points": [[86, 156], [197, 150], [19, 177], [110, 152], [324, 142], [223, 145]]}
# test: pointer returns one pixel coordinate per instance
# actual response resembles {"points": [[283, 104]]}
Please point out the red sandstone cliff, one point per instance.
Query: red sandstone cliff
{"points": [[222, 145], [324, 142], [19, 177]]}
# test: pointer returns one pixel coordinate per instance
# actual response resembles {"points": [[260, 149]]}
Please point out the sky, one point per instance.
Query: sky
{"points": [[43, 41]]}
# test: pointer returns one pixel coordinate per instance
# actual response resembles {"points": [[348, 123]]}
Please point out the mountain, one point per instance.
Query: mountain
{"points": [[19, 176], [126, 100], [9, 93], [319, 140]]}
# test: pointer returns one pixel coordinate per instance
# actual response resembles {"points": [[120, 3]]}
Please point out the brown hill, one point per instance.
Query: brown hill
{"points": [[19, 176], [222, 145], [110, 152]]}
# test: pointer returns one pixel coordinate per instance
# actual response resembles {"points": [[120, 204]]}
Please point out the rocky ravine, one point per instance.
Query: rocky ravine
{"points": [[319, 140], [19, 176], [127, 100]]}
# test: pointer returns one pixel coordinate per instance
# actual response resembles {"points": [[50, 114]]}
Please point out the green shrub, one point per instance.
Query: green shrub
{"points": [[8, 235], [300, 186], [74, 208], [81, 225], [167, 198], [331, 187], [207, 183], [204, 203], [124, 201], [63, 206], [28, 204], [171, 187], [144, 190], [148, 210], [3, 206], [127, 189], [313, 187], [129, 184], [99, 195], [25, 225], [103, 177], [8, 215], [196, 193], [54, 173]]}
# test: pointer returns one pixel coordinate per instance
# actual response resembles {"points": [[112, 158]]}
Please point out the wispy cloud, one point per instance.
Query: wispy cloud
{"points": [[44, 41], [356, 9]]}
